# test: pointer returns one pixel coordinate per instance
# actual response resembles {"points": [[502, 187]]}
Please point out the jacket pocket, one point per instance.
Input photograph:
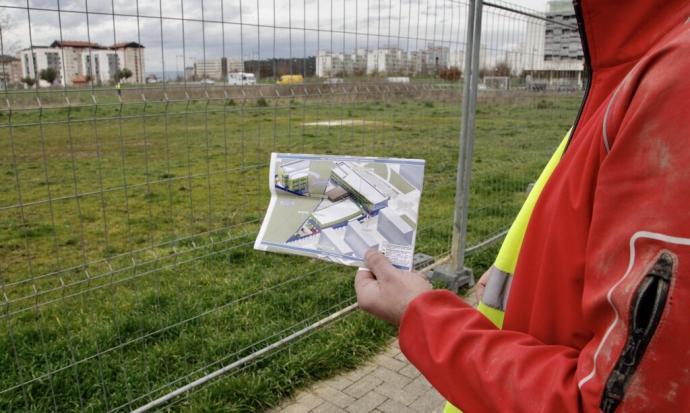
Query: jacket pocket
{"points": [[647, 307]]}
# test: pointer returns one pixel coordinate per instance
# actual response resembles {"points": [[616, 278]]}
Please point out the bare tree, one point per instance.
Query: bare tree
{"points": [[8, 44]]}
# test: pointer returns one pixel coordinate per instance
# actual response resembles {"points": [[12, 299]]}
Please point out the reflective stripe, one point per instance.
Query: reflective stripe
{"points": [[609, 295], [604, 131], [494, 315], [451, 409], [497, 289]]}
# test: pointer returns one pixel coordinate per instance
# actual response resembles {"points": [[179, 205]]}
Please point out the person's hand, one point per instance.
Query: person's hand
{"points": [[481, 285], [385, 291]]}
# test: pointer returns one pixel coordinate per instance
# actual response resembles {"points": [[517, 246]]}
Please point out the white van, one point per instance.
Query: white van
{"points": [[241, 78]]}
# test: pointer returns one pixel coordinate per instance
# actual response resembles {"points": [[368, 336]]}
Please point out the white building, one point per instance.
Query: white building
{"points": [[389, 60], [359, 239], [333, 240], [336, 214], [101, 65], [77, 62], [394, 228], [38, 58], [211, 69], [71, 52], [361, 187], [131, 56]]}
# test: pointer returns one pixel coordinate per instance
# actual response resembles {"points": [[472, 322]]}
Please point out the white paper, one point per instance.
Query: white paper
{"points": [[336, 207]]}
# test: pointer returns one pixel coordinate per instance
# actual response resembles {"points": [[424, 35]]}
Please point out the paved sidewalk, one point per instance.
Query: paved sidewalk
{"points": [[386, 384]]}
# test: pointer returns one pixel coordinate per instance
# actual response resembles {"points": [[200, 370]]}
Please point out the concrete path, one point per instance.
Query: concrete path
{"points": [[386, 384]]}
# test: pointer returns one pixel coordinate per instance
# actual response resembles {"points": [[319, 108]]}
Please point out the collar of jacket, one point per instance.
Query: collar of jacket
{"points": [[615, 35]]}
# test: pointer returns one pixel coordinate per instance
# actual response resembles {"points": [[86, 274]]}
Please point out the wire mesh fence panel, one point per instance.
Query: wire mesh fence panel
{"points": [[531, 81], [135, 138]]}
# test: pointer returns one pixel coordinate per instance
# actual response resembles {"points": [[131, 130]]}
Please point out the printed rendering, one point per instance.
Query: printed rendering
{"points": [[337, 207]]}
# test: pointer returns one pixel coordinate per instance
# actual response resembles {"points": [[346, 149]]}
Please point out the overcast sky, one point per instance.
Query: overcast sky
{"points": [[175, 36]]}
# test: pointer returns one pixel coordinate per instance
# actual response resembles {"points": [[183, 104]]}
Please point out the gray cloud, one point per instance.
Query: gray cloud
{"points": [[244, 29]]}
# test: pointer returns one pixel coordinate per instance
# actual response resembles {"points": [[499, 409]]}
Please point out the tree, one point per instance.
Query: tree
{"points": [[122, 74], [49, 75], [452, 74], [502, 69], [29, 81], [9, 37], [125, 73]]}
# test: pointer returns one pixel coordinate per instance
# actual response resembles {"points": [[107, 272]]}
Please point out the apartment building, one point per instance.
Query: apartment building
{"points": [[10, 70], [39, 58], [77, 62]]}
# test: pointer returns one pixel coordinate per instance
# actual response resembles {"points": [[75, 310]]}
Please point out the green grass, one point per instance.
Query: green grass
{"points": [[171, 197]]}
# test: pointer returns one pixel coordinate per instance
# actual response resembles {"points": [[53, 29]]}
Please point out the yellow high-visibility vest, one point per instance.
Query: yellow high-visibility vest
{"points": [[495, 296]]}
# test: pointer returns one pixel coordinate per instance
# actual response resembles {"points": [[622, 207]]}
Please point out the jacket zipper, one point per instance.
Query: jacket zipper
{"points": [[646, 310], [577, 5]]}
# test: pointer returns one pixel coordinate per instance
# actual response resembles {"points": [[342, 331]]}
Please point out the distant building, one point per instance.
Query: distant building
{"points": [[360, 187], [337, 214], [100, 65], [358, 239], [78, 62], [10, 70], [387, 61], [274, 68], [394, 228], [562, 37], [211, 69], [131, 56], [39, 58], [552, 52], [71, 53], [189, 73], [294, 175]]}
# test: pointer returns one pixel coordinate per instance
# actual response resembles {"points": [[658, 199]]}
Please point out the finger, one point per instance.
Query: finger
{"points": [[364, 278], [479, 291], [379, 264], [367, 289]]}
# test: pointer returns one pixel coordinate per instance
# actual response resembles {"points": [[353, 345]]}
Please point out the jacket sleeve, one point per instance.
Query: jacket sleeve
{"points": [[472, 363], [637, 271]]}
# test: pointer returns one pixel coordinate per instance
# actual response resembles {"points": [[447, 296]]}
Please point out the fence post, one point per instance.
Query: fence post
{"points": [[455, 274]]}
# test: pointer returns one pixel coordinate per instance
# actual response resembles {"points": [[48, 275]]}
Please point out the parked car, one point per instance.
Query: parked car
{"points": [[241, 78], [207, 82], [290, 80]]}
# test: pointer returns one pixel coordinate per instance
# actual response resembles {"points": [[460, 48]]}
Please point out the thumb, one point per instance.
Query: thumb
{"points": [[379, 264]]}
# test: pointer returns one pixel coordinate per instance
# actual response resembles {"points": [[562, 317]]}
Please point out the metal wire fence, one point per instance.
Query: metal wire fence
{"points": [[134, 144]]}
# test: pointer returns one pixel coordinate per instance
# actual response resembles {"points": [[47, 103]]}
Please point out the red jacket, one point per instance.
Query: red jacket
{"points": [[598, 316]]}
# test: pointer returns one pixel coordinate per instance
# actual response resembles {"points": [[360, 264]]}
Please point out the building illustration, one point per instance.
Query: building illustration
{"points": [[358, 239], [394, 228], [337, 214], [294, 176], [345, 207], [360, 187], [331, 240]]}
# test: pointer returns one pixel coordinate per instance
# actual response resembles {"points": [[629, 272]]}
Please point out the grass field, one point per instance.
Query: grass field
{"points": [[126, 237]]}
